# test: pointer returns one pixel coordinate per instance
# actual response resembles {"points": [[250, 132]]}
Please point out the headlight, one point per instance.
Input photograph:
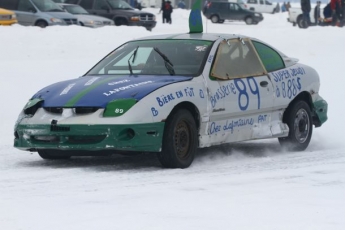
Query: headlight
{"points": [[14, 16], [154, 18], [135, 18], [88, 22], [55, 20], [118, 107], [257, 15]]}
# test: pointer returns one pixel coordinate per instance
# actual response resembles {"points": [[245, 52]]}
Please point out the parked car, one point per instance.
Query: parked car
{"points": [[172, 94], [119, 11], [7, 17], [40, 13], [263, 6], [85, 18], [220, 11]]}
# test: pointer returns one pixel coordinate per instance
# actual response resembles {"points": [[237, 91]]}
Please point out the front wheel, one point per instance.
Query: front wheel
{"points": [[298, 118], [179, 140]]}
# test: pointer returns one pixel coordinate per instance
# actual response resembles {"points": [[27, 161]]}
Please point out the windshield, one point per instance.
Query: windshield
{"points": [[75, 9], [155, 57], [47, 6], [119, 4]]}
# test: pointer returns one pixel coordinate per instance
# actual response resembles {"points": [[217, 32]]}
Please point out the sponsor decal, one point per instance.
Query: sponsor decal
{"points": [[68, 88], [111, 92], [91, 81]]}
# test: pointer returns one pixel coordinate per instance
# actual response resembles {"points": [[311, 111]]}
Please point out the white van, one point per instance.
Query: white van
{"points": [[40, 13], [262, 6]]}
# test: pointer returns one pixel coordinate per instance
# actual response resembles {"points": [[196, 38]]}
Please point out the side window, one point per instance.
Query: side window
{"points": [[86, 4], [253, 1], [269, 57], [101, 5], [9, 4], [261, 2], [235, 60], [26, 6], [71, 1], [232, 6]]}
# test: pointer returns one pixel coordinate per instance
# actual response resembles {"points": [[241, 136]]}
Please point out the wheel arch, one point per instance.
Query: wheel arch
{"points": [[191, 108], [304, 96], [41, 20]]}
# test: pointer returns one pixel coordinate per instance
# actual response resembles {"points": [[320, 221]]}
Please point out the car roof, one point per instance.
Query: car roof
{"points": [[194, 36]]}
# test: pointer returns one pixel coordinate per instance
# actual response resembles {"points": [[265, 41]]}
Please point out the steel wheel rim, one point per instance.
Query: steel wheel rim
{"points": [[301, 125], [214, 19], [182, 137]]}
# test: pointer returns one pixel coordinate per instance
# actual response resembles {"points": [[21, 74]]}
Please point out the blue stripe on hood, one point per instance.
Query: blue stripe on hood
{"points": [[97, 91]]}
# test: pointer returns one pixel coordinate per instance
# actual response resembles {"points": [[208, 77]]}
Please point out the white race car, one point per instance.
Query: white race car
{"points": [[173, 94]]}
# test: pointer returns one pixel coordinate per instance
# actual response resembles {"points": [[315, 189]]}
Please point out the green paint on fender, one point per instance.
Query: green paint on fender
{"points": [[118, 107]]}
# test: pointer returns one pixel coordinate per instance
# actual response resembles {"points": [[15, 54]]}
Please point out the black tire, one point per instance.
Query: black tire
{"points": [[214, 19], [42, 24], [301, 23], [298, 118], [249, 20], [180, 140], [50, 155]]}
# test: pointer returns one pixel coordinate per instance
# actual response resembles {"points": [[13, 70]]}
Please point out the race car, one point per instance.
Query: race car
{"points": [[172, 94]]}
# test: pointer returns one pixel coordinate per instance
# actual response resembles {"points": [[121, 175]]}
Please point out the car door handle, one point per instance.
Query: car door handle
{"points": [[264, 83]]}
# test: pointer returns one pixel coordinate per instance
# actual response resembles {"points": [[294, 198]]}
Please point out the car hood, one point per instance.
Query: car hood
{"points": [[82, 17], [97, 91]]}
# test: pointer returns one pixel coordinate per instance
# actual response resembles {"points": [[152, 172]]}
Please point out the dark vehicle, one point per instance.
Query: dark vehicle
{"points": [[218, 12], [119, 11]]}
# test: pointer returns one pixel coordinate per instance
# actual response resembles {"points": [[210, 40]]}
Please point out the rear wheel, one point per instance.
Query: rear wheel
{"points": [[179, 140], [298, 118], [249, 20], [50, 155], [215, 19]]}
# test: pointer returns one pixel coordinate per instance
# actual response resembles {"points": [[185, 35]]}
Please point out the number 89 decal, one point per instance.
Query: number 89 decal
{"points": [[243, 94]]}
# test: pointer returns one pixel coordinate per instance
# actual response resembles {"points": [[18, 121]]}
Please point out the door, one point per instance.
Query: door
{"points": [[244, 90], [26, 13], [235, 12]]}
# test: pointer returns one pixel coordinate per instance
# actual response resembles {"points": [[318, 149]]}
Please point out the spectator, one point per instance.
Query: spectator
{"points": [[181, 4], [336, 11], [317, 15], [167, 11], [306, 7], [283, 8], [288, 6], [162, 10]]}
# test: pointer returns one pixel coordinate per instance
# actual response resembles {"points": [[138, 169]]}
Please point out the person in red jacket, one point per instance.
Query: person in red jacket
{"points": [[336, 12]]}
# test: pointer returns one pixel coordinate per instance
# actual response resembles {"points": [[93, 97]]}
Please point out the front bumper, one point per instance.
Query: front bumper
{"points": [[320, 108], [123, 137]]}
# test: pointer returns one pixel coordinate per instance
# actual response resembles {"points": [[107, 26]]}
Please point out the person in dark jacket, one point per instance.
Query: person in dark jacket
{"points": [[167, 11], [317, 13], [162, 10], [306, 7]]}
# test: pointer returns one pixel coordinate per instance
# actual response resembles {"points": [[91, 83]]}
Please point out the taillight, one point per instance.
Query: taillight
{"points": [[209, 4]]}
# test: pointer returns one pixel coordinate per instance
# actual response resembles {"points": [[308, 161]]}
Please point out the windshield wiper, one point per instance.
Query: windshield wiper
{"points": [[134, 54], [167, 62], [55, 10]]}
